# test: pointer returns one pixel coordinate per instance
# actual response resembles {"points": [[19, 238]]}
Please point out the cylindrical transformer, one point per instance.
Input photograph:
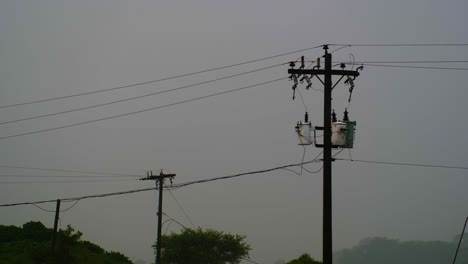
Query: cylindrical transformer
{"points": [[304, 133], [339, 134]]}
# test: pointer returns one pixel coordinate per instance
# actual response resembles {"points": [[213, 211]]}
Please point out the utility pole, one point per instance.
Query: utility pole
{"points": [[159, 180], [54, 235], [459, 241], [328, 72]]}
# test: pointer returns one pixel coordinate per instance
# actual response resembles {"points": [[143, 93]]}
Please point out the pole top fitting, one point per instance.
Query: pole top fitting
{"points": [[325, 47]]}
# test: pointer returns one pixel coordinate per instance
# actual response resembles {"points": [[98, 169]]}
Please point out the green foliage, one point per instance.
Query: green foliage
{"points": [[304, 259], [203, 246], [31, 244]]}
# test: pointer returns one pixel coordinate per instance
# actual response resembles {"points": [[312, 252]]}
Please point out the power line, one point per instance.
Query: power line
{"points": [[140, 111], [249, 260], [407, 164], [176, 186], [409, 61], [415, 67], [53, 211], [181, 208], [42, 182], [141, 96], [45, 210], [65, 176], [61, 170], [403, 45], [162, 79], [172, 219], [154, 188], [73, 205]]}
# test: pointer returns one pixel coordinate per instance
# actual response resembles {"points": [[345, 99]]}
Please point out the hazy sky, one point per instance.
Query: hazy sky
{"points": [[52, 48]]}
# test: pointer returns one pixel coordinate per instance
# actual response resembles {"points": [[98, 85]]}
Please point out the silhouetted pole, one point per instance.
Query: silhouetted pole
{"points": [[158, 241], [327, 163], [328, 72], [159, 180], [459, 241], [54, 235]]}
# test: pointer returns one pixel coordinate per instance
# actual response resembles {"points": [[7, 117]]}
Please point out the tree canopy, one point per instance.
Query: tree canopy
{"points": [[203, 246], [31, 244], [304, 259]]}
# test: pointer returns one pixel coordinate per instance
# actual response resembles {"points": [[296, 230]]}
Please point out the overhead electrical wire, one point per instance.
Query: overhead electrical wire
{"points": [[141, 96], [65, 176], [176, 186], [53, 211], [407, 164], [403, 45], [154, 188], [408, 61], [141, 111], [415, 67], [181, 208], [43, 182], [162, 79], [172, 219], [62, 170]]}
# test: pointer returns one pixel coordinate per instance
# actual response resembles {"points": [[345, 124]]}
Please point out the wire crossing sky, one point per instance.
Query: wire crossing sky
{"points": [[67, 64]]}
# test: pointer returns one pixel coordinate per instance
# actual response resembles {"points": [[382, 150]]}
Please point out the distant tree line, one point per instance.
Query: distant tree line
{"points": [[31, 244], [390, 251]]}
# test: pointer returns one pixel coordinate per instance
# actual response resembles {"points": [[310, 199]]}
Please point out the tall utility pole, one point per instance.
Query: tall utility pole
{"points": [[328, 72], [159, 180]]}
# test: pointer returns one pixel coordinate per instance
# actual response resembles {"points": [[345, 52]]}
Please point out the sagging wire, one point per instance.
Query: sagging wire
{"points": [[180, 206], [53, 211]]}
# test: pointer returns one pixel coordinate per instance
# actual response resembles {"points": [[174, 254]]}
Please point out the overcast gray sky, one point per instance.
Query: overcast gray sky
{"points": [[52, 48]]}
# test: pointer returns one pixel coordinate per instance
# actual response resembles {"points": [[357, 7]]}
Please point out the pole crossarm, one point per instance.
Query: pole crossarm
{"points": [[322, 72], [159, 177]]}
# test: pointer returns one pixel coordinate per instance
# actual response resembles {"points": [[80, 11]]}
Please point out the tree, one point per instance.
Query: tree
{"points": [[203, 246], [388, 251], [31, 244], [304, 259]]}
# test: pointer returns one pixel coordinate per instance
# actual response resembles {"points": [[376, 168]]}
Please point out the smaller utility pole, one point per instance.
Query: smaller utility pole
{"points": [[54, 235], [159, 180], [459, 242]]}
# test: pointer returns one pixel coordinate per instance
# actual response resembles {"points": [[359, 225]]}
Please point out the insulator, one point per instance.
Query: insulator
{"points": [[306, 117], [334, 116], [295, 79], [294, 90], [345, 115]]}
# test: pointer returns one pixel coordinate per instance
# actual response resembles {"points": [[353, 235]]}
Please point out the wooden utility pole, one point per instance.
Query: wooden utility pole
{"points": [[54, 235], [459, 242], [328, 72], [159, 180]]}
